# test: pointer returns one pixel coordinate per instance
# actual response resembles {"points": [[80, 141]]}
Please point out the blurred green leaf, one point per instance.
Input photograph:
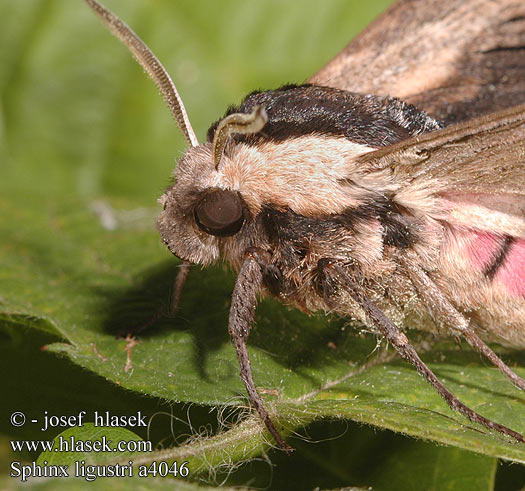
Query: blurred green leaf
{"points": [[436, 468], [87, 146]]}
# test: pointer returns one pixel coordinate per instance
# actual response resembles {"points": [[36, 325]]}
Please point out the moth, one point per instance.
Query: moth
{"points": [[335, 196]]}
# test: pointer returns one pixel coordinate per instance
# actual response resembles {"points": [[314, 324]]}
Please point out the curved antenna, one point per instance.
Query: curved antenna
{"points": [[237, 123], [151, 64]]}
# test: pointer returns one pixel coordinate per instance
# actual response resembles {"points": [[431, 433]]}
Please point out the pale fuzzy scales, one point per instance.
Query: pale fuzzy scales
{"points": [[463, 212], [301, 175]]}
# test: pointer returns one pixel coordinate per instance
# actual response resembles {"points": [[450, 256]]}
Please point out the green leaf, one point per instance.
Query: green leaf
{"points": [[86, 148], [83, 442], [434, 468], [347, 453]]}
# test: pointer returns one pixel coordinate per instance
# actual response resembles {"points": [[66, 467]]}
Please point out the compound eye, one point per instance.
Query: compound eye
{"points": [[220, 212]]}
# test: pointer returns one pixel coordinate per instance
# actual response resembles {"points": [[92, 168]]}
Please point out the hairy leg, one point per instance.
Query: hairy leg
{"points": [[244, 300], [333, 273], [446, 315]]}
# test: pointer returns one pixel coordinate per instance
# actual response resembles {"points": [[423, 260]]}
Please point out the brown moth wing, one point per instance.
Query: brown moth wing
{"points": [[478, 167], [471, 174], [470, 179], [455, 60], [485, 155]]}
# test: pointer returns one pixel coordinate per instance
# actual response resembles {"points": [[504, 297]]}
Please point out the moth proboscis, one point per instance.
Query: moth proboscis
{"points": [[332, 200]]}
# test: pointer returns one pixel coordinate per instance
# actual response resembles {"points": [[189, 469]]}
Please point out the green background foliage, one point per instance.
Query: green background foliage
{"points": [[84, 135]]}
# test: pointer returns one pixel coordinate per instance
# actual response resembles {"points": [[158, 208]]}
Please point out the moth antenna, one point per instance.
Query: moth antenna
{"points": [[151, 65], [239, 123]]}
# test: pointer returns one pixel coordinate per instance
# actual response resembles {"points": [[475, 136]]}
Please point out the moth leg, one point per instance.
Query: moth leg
{"points": [[164, 311], [242, 311], [333, 273], [444, 313], [178, 286]]}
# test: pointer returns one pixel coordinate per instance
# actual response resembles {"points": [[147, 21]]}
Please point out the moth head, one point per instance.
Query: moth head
{"points": [[198, 210], [201, 209]]}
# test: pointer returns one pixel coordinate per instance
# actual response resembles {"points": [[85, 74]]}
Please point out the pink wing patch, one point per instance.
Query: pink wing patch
{"points": [[512, 271], [500, 258], [480, 247]]}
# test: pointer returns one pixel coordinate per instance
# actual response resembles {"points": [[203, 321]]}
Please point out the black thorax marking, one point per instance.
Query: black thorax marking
{"points": [[399, 227], [299, 110], [291, 234]]}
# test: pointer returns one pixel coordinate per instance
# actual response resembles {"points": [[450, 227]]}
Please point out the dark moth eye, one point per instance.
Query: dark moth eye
{"points": [[220, 213]]}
